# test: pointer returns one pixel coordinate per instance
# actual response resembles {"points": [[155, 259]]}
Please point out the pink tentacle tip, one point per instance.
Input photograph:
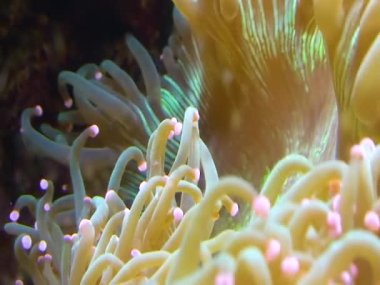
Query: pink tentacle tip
{"points": [[368, 145], [346, 277], [93, 131], [19, 282], [224, 278], [143, 166], [177, 214], [234, 209], [357, 152], [48, 258], [110, 194], [26, 242], [65, 187], [84, 226], [135, 252], [38, 111], [98, 75], [261, 206], [14, 215], [178, 128], [372, 221], [40, 260], [68, 239], [68, 103], [42, 245], [74, 238], [273, 250], [197, 174], [354, 271], [196, 116], [290, 266], [47, 207], [44, 184], [87, 200], [334, 222]]}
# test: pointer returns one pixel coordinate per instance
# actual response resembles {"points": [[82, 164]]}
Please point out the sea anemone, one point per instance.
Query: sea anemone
{"points": [[270, 79], [320, 229]]}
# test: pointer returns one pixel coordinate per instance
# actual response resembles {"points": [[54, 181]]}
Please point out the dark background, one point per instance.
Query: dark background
{"points": [[38, 39]]}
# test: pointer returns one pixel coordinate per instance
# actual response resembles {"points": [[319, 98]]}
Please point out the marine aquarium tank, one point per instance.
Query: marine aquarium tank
{"points": [[246, 154]]}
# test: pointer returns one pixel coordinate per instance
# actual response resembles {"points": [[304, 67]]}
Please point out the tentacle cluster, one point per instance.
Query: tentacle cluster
{"points": [[107, 96], [308, 224]]}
